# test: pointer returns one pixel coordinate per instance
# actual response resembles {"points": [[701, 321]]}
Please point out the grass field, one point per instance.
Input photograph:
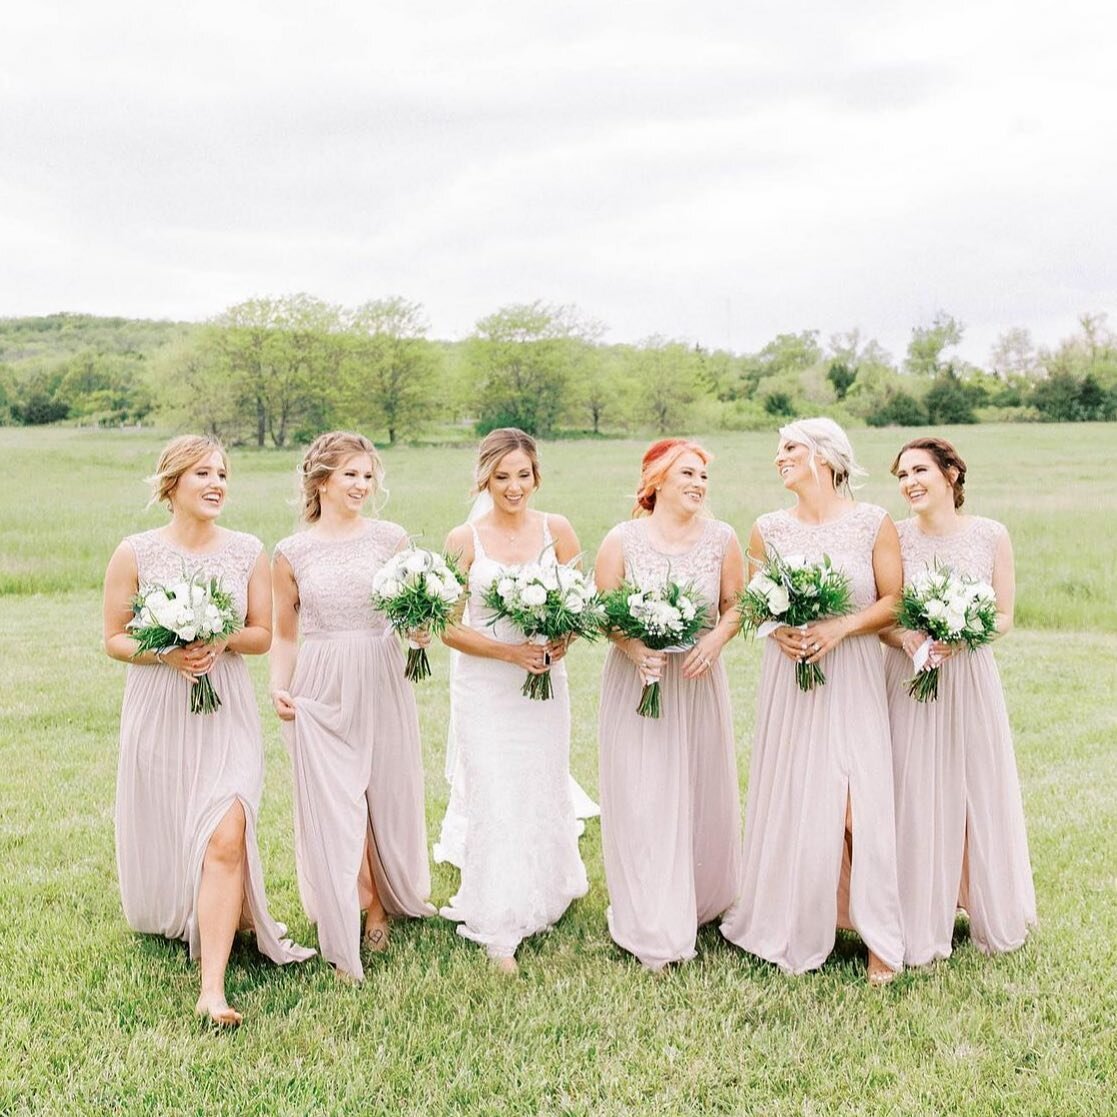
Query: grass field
{"points": [[98, 1020]]}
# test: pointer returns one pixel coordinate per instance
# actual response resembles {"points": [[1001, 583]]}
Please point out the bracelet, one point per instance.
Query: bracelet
{"points": [[159, 656]]}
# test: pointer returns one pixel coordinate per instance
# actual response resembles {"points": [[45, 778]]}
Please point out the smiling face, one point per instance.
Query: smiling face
{"points": [[793, 464], [512, 482], [200, 490], [349, 486], [923, 484], [683, 489]]}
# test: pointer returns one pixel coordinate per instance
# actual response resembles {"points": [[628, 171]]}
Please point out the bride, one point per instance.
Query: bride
{"points": [[519, 860]]}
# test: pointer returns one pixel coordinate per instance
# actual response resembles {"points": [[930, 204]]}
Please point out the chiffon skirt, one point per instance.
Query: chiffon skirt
{"points": [[179, 774], [812, 751], [959, 817], [358, 772], [670, 815]]}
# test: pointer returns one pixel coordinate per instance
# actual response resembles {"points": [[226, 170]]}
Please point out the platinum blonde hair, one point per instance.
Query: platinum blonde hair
{"points": [[826, 440]]}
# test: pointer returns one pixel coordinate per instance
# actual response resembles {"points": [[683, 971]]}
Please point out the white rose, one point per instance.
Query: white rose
{"points": [[533, 595], [575, 603], [434, 584], [506, 587], [390, 588], [934, 608], [686, 608], [186, 633], [417, 562], [778, 600], [451, 591], [761, 584], [796, 562], [635, 601], [955, 621]]}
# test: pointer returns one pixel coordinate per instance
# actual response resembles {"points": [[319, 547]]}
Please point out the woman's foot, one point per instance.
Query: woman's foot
{"points": [[219, 1011], [505, 964], [879, 972]]}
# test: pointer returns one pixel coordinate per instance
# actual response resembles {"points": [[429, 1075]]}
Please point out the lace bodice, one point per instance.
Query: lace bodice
{"points": [[647, 567], [848, 541], [484, 572], [334, 576], [969, 551], [160, 562]]}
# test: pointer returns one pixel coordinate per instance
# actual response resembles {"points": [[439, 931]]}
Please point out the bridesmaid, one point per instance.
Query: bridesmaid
{"points": [[959, 819], [820, 844], [670, 816], [520, 866], [188, 785], [348, 713]]}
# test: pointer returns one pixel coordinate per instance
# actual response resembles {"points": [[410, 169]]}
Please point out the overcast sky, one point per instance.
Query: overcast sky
{"points": [[720, 172]]}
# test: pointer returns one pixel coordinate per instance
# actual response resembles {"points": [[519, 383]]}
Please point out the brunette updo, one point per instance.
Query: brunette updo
{"points": [[656, 464], [326, 453], [946, 458], [496, 445], [177, 457]]}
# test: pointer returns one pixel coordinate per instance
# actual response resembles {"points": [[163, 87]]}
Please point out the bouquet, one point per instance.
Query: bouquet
{"points": [[417, 589], [166, 617], [791, 591], [663, 618], [545, 602], [948, 607]]}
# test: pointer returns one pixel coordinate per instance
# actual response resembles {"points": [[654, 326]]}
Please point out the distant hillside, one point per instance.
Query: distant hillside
{"points": [[58, 336]]}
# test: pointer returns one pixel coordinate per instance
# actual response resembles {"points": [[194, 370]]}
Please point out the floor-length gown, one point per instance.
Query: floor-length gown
{"points": [[354, 745], [520, 866], [179, 773], [813, 752], [670, 815], [959, 818]]}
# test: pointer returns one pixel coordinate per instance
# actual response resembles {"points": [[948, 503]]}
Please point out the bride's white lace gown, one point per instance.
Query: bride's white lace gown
{"points": [[517, 843]]}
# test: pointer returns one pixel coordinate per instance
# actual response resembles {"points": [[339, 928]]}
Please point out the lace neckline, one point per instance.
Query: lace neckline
{"points": [[854, 505], [157, 534], [364, 533], [673, 554], [968, 523]]}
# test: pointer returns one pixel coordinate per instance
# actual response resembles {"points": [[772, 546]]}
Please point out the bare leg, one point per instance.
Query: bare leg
{"points": [[376, 918], [880, 973], [220, 900]]}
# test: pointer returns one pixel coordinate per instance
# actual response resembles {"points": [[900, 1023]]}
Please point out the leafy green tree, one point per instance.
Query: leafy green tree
{"points": [[1065, 398], [521, 359], [391, 370], [842, 377], [897, 409], [197, 390], [666, 378], [951, 400], [928, 344]]}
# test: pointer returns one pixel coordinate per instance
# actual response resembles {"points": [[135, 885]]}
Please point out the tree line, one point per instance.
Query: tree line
{"points": [[275, 371]]}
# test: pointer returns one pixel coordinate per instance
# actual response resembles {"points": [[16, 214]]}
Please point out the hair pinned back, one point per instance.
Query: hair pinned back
{"points": [[177, 457], [824, 438], [656, 464], [325, 454], [498, 444], [946, 457]]}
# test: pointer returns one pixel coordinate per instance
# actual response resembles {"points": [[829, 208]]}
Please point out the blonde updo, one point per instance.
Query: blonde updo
{"points": [[825, 439], [177, 457], [496, 445], [327, 453]]}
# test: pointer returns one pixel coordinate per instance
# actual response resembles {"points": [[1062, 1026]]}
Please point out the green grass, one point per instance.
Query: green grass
{"points": [[98, 1020]]}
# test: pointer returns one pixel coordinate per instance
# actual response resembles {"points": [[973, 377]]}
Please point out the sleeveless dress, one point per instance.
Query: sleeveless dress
{"points": [[959, 817], [179, 773], [520, 866], [354, 745], [670, 813], [811, 750]]}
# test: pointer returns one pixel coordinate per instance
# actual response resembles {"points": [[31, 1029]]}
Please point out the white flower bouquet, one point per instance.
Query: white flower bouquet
{"points": [[546, 602], [174, 616], [663, 618], [417, 589], [952, 608], [791, 591]]}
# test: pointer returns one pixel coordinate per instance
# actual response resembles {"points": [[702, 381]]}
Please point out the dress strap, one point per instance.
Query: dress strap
{"points": [[547, 537], [478, 549]]}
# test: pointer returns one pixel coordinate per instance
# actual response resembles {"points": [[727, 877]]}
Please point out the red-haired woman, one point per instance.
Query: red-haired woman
{"points": [[960, 832], [670, 817]]}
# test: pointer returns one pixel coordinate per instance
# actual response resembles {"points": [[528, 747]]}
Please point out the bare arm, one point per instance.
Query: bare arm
{"points": [[255, 637], [1004, 584], [285, 642]]}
